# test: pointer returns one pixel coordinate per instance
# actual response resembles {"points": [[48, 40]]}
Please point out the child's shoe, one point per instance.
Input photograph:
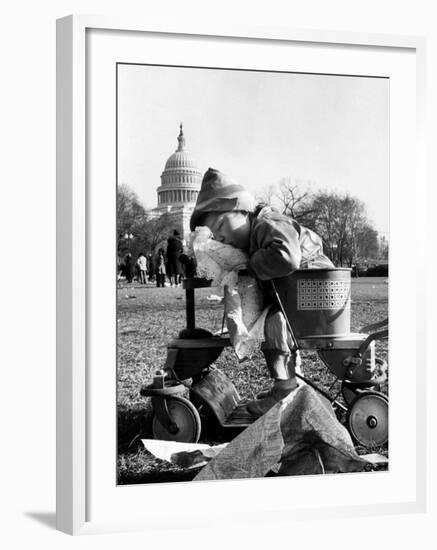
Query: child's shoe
{"points": [[281, 388], [292, 366]]}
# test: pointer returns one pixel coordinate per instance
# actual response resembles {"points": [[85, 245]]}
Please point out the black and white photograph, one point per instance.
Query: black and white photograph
{"points": [[218, 307], [252, 273]]}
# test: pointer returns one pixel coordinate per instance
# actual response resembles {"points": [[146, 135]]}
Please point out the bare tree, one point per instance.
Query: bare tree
{"points": [[368, 244], [131, 216], [341, 221], [288, 197], [267, 196], [383, 247], [155, 232]]}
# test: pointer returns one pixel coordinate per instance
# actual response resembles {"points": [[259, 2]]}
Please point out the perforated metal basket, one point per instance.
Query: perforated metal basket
{"points": [[317, 301]]}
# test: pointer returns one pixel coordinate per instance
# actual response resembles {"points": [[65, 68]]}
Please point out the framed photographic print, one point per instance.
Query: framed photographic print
{"points": [[234, 210]]}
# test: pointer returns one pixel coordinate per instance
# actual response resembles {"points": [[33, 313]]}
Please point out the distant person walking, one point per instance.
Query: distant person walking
{"points": [[142, 267], [151, 267], [174, 249], [119, 268], [128, 267], [160, 268]]}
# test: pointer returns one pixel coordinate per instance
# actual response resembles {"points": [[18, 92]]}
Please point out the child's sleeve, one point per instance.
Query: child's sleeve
{"points": [[278, 250]]}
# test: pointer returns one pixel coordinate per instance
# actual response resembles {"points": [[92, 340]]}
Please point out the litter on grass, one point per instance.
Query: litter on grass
{"points": [[184, 455], [214, 298], [300, 435]]}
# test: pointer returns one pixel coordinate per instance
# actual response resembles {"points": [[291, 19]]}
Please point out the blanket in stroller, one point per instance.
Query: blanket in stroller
{"points": [[245, 313]]}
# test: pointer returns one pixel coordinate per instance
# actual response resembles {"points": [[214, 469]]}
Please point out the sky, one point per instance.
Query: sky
{"points": [[328, 132]]}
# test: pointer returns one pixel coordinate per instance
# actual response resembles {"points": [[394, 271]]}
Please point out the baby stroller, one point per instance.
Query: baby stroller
{"points": [[316, 305]]}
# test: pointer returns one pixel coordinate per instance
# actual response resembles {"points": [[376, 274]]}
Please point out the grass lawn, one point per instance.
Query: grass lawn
{"points": [[149, 317]]}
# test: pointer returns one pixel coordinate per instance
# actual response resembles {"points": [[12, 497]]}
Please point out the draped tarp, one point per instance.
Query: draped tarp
{"points": [[299, 435]]}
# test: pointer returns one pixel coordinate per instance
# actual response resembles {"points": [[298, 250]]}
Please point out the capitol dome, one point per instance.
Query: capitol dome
{"points": [[181, 178], [179, 159]]}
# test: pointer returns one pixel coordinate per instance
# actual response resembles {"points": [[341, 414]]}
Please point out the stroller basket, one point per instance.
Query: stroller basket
{"points": [[317, 301]]}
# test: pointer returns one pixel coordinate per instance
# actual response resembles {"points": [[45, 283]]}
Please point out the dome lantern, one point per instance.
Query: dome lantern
{"points": [[181, 178], [181, 139]]}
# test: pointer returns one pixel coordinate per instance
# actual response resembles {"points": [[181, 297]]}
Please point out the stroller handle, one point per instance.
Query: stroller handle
{"points": [[293, 336], [374, 326]]}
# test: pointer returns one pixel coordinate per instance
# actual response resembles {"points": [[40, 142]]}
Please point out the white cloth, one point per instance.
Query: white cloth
{"points": [[245, 316], [216, 261], [244, 311]]}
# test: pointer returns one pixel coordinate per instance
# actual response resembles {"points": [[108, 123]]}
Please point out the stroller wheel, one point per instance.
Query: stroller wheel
{"points": [[184, 414], [367, 419], [350, 390]]}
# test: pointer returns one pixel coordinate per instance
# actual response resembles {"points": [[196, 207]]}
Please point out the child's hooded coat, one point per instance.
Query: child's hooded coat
{"points": [[278, 244]]}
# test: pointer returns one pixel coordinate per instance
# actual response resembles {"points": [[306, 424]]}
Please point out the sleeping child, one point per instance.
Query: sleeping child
{"points": [[276, 245]]}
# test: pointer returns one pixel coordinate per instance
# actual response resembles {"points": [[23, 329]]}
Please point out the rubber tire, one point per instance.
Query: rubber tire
{"points": [[349, 392], [350, 419], [187, 418]]}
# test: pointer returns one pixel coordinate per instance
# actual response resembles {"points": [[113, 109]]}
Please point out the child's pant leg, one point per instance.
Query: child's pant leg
{"points": [[278, 347], [276, 333]]}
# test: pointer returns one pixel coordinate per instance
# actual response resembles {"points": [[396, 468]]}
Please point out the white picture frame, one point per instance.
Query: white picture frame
{"points": [[74, 396]]}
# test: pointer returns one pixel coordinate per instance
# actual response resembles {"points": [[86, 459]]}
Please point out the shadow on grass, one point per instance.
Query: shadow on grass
{"points": [[135, 465], [134, 424], [157, 476]]}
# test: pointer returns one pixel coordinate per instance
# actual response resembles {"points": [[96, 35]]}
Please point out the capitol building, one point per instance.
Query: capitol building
{"points": [[180, 185]]}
